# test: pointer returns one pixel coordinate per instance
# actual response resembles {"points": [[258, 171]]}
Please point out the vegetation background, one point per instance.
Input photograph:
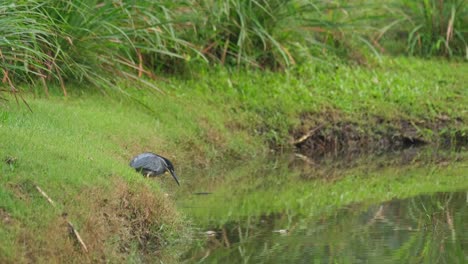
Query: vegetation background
{"points": [[47, 42], [203, 82]]}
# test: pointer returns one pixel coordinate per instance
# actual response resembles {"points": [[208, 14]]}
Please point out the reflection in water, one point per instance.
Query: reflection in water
{"points": [[275, 214], [428, 228]]}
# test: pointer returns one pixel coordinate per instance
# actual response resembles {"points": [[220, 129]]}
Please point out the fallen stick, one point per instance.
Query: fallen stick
{"points": [[307, 135], [77, 236], [70, 225], [305, 158], [45, 195]]}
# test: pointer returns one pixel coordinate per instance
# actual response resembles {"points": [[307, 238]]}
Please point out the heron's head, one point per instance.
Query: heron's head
{"points": [[171, 170]]}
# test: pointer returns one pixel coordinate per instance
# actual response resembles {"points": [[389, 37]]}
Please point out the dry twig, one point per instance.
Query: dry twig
{"points": [[70, 225], [308, 135]]}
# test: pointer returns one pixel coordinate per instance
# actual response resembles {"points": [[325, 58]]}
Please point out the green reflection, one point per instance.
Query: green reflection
{"points": [[333, 213]]}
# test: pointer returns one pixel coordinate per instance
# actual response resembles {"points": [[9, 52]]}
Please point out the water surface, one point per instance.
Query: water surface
{"points": [[401, 208]]}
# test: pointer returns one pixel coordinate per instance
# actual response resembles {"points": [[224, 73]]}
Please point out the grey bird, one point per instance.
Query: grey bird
{"points": [[151, 165]]}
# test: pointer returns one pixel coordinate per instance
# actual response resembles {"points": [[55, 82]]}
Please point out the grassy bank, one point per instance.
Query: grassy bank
{"points": [[397, 98], [77, 149], [191, 80]]}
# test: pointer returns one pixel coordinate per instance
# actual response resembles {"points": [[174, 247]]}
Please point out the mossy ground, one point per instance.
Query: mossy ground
{"points": [[77, 148]]}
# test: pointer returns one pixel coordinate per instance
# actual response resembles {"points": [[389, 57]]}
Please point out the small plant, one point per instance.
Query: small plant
{"points": [[11, 162]]}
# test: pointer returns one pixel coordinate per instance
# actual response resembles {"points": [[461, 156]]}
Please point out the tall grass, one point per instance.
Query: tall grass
{"points": [[432, 27], [270, 34], [439, 27], [52, 43], [65, 41], [84, 40]]}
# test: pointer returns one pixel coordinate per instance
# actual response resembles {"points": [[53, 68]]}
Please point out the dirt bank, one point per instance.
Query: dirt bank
{"points": [[326, 133]]}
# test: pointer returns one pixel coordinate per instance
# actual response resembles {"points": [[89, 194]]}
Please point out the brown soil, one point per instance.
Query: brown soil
{"points": [[318, 136]]}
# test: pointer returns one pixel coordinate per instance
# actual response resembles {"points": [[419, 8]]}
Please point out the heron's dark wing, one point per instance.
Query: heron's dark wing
{"points": [[148, 161]]}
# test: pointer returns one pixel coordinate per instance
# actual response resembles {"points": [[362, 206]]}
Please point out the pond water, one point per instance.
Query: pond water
{"points": [[409, 207]]}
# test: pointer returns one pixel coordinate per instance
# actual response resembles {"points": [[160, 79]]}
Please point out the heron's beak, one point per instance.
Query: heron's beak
{"points": [[174, 176]]}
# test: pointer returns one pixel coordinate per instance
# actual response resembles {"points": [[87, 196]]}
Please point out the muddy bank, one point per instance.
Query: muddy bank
{"points": [[323, 134]]}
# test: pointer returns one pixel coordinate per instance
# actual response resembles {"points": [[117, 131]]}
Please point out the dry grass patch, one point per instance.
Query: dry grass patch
{"points": [[120, 223], [129, 219]]}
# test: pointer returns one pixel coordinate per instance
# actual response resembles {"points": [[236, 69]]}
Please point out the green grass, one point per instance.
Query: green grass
{"points": [[198, 114], [52, 42], [63, 42], [271, 34], [424, 28], [435, 27], [77, 148], [78, 152], [270, 103]]}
